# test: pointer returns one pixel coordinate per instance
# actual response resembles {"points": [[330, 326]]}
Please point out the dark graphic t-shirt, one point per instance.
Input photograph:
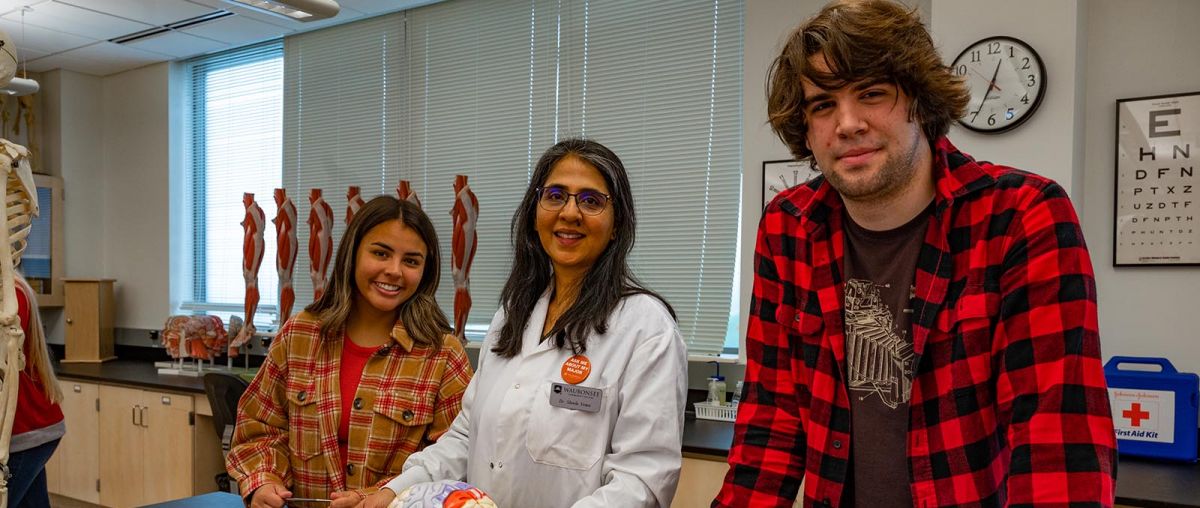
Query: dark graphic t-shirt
{"points": [[880, 268]]}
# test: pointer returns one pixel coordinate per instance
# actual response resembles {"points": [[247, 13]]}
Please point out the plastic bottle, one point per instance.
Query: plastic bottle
{"points": [[737, 394], [716, 388]]}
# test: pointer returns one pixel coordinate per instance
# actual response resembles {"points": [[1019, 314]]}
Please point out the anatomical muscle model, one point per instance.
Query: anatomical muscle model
{"points": [[252, 255], [320, 241], [463, 240], [286, 248]]}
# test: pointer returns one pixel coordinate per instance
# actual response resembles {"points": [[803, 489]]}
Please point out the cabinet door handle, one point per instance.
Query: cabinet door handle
{"points": [[143, 411], [133, 414], [69, 321], [78, 389]]}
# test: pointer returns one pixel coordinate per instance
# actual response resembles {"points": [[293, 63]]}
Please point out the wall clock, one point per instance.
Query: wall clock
{"points": [[782, 175], [1007, 81]]}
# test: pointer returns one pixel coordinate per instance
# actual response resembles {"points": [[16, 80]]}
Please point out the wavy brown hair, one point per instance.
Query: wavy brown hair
{"points": [[420, 314], [863, 41]]}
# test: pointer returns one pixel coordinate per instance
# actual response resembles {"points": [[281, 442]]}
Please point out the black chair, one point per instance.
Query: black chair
{"points": [[224, 390]]}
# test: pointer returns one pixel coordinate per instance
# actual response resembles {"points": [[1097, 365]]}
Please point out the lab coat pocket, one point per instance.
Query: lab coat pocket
{"points": [[398, 426], [304, 433], [568, 438]]}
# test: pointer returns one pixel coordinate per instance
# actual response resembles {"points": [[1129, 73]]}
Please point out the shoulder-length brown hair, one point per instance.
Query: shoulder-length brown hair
{"points": [[420, 314], [863, 41]]}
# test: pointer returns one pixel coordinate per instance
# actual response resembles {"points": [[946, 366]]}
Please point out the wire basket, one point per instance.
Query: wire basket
{"points": [[706, 411]]}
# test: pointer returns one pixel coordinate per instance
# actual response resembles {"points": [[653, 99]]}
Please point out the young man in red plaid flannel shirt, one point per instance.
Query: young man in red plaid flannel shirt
{"points": [[923, 326]]}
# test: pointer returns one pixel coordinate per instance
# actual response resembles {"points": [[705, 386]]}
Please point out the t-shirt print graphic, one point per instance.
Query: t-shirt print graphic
{"points": [[878, 357]]}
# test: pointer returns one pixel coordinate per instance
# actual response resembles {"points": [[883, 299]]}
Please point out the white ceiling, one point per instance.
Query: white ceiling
{"points": [[75, 34]]}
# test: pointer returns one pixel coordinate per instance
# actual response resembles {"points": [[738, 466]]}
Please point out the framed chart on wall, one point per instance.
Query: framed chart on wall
{"points": [[779, 176], [1155, 200]]}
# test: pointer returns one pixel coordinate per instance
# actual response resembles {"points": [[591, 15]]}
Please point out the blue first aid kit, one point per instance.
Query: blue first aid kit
{"points": [[1154, 412]]}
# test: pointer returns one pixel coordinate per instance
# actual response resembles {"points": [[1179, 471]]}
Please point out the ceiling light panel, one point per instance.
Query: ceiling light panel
{"points": [[100, 59], [41, 39], [73, 20], [154, 12], [177, 44], [237, 30]]}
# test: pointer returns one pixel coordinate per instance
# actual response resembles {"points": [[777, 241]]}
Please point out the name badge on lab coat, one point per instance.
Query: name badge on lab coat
{"points": [[579, 398]]}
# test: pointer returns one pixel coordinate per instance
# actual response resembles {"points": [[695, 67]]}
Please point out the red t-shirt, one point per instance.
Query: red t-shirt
{"points": [[34, 409], [354, 360]]}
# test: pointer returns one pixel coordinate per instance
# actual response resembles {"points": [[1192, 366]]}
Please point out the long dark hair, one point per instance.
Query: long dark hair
{"points": [[607, 281], [420, 314]]}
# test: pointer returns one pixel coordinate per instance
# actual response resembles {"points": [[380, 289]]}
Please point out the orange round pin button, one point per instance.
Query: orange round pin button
{"points": [[576, 369]]}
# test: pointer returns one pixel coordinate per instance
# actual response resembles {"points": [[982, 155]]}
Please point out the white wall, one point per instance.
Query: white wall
{"points": [[1046, 143], [1096, 52], [1136, 49]]}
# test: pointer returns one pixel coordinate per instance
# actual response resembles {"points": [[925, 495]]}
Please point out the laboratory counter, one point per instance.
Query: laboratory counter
{"points": [[1139, 482], [700, 437]]}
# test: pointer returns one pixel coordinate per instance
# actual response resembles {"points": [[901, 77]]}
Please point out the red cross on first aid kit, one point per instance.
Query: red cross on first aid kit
{"points": [[1154, 412]]}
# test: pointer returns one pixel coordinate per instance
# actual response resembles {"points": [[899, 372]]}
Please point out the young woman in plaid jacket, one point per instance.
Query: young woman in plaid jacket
{"points": [[364, 377]]}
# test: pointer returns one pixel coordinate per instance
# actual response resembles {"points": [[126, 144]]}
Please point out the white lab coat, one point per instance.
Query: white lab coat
{"points": [[509, 441]]}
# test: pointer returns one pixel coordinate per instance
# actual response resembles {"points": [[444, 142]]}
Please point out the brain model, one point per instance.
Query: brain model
{"points": [[204, 336], [442, 494]]}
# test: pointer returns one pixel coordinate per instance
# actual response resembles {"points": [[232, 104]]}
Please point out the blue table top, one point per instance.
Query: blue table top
{"points": [[210, 500]]}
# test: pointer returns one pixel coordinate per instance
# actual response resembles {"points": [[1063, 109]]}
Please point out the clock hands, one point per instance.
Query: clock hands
{"points": [[988, 93], [992, 83]]}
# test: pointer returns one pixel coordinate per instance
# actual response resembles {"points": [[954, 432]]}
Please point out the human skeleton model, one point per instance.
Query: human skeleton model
{"points": [[354, 201], [463, 240], [405, 193], [320, 241], [252, 253], [21, 206], [286, 248]]}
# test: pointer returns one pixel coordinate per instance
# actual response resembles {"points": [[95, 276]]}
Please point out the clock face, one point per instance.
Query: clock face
{"points": [[1006, 79], [779, 176]]}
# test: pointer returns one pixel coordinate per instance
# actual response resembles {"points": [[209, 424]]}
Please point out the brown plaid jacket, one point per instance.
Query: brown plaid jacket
{"points": [[288, 418]]}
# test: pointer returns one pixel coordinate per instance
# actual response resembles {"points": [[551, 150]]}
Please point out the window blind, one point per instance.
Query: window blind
{"points": [[235, 141], [341, 123], [482, 88]]}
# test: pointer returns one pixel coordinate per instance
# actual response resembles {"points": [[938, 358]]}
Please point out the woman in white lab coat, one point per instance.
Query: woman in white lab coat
{"points": [[579, 396]]}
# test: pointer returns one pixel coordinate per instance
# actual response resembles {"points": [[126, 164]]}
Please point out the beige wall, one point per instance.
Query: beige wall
{"points": [[109, 140]]}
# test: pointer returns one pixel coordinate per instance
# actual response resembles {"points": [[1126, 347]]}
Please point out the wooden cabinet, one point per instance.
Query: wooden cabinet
{"points": [[89, 318], [146, 454], [701, 480], [125, 446], [74, 470]]}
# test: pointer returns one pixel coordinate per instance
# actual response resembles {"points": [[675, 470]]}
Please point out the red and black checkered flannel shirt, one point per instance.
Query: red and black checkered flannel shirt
{"points": [[1009, 404], [287, 420]]}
